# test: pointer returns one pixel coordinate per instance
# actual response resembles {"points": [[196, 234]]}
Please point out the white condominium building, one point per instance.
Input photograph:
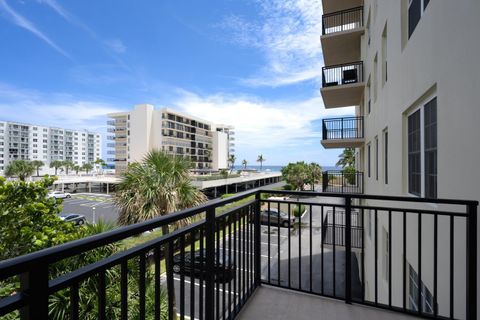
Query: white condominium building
{"points": [[136, 132], [35, 142], [411, 68]]}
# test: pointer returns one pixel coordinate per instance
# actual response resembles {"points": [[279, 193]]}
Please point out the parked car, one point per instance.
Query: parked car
{"points": [[224, 270], [59, 195], [78, 219], [280, 219]]}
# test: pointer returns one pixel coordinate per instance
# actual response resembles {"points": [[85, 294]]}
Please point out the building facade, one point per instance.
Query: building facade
{"points": [[136, 132], [19, 141], [410, 67]]}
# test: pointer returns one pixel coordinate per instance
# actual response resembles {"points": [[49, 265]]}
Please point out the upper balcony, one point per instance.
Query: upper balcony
{"points": [[341, 36], [230, 262], [330, 6], [342, 85], [345, 132]]}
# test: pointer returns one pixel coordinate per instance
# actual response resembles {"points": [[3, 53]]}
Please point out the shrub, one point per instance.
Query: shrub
{"points": [[297, 213]]}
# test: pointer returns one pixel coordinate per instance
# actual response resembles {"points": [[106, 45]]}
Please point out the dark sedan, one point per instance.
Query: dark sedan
{"points": [[224, 269], [78, 219]]}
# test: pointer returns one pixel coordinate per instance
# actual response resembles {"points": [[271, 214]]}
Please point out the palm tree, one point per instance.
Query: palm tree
{"points": [[315, 171], [244, 164], [76, 168], [19, 168], [37, 164], [157, 186], [232, 160], [67, 164], [57, 164], [87, 167], [261, 159], [347, 158], [100, 162]]}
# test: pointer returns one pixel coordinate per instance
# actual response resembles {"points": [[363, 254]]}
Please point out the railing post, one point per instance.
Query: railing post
{"points": [[257, 266], [341, 131], [35, 286], [348, 250], [471, 262], [209, 264]]}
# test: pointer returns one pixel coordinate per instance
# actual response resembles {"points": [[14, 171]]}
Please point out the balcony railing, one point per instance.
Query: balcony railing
{"points": [[342, 74], [212, 266], [342, 182], [342, 21], [333, 229], [342, 128]]}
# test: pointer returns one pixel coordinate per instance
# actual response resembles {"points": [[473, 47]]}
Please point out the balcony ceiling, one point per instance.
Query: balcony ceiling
{"points": [[269, 303], [342, 143], [330, 6], [342, 47], [342, 95]]}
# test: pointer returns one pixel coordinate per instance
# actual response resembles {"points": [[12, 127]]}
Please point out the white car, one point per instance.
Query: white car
{"points": [[59, 195]]}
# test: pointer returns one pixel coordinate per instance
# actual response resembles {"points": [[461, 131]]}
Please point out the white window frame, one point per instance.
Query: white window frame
{"points": [[421, 107]]}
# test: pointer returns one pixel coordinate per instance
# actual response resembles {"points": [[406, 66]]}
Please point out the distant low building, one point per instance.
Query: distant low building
{"points": [[47, 144], [136, 132]]}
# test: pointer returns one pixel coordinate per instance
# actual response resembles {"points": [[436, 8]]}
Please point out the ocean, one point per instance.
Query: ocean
{"points": [[279, 168]]}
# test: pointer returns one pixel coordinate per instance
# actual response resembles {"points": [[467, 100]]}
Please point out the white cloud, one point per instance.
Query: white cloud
{"points": [[57, 109], [287, 33], [26, 24], [260, 123], [115, 45]]}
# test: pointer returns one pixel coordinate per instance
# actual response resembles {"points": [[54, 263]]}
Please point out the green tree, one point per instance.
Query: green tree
{"points": [[244, 164], [100, 162], [37, 164], [346, 158], [29, 219], [232, 160], [157, 186], [19, 168], [76, 168], [68, 164], [87, 167], [261, 159], [297, 174], [315, 174], [57, 164], [350, 175]]}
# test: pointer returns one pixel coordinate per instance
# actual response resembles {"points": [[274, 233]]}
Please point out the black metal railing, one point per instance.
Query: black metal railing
{"points": [[212, 266], [342, 128], [333, 229], [342, 74], [342, 20], [341, 181]]}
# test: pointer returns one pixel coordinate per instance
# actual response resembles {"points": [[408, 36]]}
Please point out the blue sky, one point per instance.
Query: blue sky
{"points": [[253, 64]]}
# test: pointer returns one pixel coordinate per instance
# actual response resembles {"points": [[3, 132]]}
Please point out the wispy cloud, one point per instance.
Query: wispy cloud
{"points": [[287, 33], [26, 24], [115, 45], [53, 109]]}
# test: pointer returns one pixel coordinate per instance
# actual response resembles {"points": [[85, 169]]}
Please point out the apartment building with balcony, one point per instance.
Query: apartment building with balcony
{"points": [[36, 142], [410, 68], [134, 133]]}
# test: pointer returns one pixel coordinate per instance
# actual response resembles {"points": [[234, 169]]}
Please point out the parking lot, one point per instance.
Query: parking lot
{"points": [[88, 203]]}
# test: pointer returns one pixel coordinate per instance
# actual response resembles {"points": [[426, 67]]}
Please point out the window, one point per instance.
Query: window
{"points": [[386, 253], [369, 97], [375, 75], [384, 56], [430, 142], [415, 289], [414, 154], [376, 158], [416, 9], [385, 155], [370, 224], [368, 159], [422, 150]]}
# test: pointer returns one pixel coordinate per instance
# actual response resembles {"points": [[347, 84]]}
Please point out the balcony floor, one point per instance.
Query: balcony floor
{"points": [[276, 304]]}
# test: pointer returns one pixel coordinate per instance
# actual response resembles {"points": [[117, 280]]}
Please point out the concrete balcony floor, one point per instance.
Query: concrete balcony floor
{"points": [[277, 304]]}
